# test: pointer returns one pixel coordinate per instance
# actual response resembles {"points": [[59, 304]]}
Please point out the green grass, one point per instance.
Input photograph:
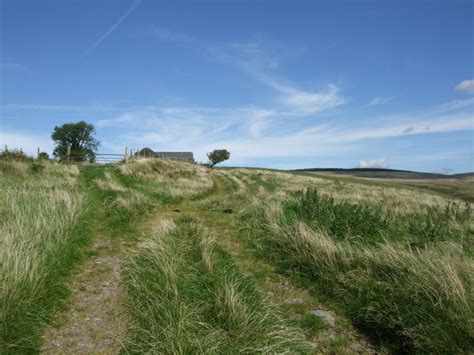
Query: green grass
{"points": [[457, 188], [186, 295], [368, 222], [312, 324], [49, 214], [44, 229], [404, 278], [453, 188], [398, 262]]}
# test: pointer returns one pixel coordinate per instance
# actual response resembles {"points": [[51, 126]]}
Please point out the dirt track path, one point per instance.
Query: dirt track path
{"points": [[292, 300], [94, 322]]}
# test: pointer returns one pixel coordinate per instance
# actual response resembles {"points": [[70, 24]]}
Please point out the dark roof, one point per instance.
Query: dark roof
{"points": [[184, 156]]}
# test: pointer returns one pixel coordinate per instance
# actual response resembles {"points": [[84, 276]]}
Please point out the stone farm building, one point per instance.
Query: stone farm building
{"points": [[178, 156]]}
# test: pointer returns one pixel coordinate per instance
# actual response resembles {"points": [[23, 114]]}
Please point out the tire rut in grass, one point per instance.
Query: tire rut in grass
{"points": [[298, 304], [94, 322]]}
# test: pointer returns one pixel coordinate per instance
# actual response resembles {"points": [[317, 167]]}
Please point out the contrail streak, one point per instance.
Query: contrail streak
{"points": [[111, 29]]}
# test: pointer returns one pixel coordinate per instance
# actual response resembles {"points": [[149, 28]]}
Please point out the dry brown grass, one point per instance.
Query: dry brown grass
{"points": [[177, 179]]}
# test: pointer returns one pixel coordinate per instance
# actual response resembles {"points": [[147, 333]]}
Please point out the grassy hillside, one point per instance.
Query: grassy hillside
{"points": [[401, 274], [232, 260], [458, 186], [388, 173]]}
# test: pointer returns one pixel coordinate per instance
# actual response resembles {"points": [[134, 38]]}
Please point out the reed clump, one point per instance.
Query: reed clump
{"points": [[404, 278], [186, 295]]}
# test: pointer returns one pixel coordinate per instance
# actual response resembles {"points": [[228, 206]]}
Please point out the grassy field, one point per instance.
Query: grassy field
{"points": [[235, 260], [460, 186], [379, 173]]}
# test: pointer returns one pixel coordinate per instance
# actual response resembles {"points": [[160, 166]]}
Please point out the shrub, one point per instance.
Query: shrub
{"points": [[439, 224], [14, 155], [417, 296], [14, 167], [340, 220], [43, 156]]}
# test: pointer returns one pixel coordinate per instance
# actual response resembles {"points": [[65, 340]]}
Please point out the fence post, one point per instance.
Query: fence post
{"points": [[38, 155], [68, 153], [6, 148], [126, 155]]}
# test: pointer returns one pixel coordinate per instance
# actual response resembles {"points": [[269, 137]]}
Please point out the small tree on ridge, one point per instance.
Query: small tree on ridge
{"points": [[217, 156]]}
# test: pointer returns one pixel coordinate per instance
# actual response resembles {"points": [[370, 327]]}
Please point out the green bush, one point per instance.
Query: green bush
{"points": [[439, 224], [37, 166], [406, 281], [43, 156], [340, 220], [14, 155], [368, 223]]}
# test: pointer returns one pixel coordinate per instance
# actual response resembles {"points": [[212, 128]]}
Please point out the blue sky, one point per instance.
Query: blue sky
{"points": [[284, 84]]}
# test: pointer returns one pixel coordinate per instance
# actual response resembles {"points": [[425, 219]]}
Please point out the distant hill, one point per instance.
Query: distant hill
{"points": [[389, 173]]}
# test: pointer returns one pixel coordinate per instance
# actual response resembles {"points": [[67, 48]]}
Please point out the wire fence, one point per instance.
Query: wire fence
{"points": [[105, 158], [100, 158]]}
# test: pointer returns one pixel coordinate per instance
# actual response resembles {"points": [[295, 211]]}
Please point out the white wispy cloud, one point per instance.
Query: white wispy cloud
{"points": [[261, 132], [380, 163], [380, 100], [466, 86], [259, 121], [454, 105], [258, 58], [112, 28], [252, 133], [257, 52], [306, 102], [259, 61], [330, 140], [173, 126]]}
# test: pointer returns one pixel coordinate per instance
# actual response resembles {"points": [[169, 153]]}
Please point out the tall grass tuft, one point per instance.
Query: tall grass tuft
{"points": [[40, 220], [412, 291], [186, 295], [168, 180]]}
